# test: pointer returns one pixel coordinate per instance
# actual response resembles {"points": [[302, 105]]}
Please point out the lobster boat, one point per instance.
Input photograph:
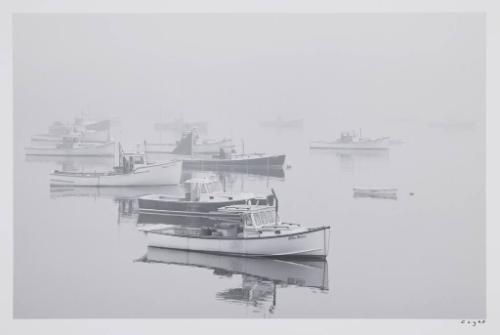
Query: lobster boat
{"points": [[258, 233], [132, 170], [202, 195], [224, 159]]}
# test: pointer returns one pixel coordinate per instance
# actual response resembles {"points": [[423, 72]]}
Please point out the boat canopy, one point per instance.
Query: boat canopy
{"points": [[254, 215]]}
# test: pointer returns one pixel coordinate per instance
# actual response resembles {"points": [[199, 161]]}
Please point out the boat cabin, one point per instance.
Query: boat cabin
{"points": [[254, 216], [346, 137], [128, 161], [68, 142], [196, 188]]}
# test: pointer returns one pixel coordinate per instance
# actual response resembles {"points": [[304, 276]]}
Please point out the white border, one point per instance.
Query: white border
{"points": [[300, 326]]}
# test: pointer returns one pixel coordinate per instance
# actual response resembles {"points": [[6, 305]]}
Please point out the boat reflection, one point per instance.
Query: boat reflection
{"points": [[260, 277], [112, 192], [277, 173], [125, 197], [73, 163]]}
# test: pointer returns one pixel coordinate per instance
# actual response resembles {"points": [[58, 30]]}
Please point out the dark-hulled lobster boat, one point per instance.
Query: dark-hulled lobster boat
{"points": [[225, 159], [201, 196]]}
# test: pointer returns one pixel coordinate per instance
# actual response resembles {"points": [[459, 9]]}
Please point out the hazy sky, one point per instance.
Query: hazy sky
{"points": [[424, 67]]}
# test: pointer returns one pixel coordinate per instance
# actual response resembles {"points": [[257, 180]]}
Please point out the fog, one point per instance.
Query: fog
{"points": [[398, 75], [350, 69]]}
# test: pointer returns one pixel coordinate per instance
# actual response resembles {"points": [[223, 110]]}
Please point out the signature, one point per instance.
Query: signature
{"points": [[472, 323]]}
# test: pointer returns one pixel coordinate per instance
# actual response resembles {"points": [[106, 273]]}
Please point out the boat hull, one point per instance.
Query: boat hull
{"points": [[168, 173], [180, 206], [107, 149], [270, 162], [308, 243]]}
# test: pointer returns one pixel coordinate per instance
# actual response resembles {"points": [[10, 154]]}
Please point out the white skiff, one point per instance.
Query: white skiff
{"points": [[386, 193]]}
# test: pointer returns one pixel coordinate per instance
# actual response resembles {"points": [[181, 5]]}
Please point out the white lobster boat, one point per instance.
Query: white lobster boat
{"points": [[71, 147], [258, 233], [133, 170]]}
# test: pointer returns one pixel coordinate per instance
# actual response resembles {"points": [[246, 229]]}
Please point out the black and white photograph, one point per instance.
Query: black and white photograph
{"points": [[249, 165]]}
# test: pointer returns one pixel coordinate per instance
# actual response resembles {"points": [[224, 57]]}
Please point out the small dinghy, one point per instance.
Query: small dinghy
{"points": [[257, 233], [348, 141], [132, 170], [387, 193], [224, 159], [202, 195], [71, 146]]}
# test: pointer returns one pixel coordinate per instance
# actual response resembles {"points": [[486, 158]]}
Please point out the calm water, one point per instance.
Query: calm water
{"points": [[78, 253]]}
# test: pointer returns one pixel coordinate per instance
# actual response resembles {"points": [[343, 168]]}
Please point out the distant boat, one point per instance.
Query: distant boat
{"points": [[257, 233], [85, 131], [202, 195], [133, 170], [180, 125], [282, 123], [224, 159], [71, 146], [348, 141], [387, 193], [199, 147]]}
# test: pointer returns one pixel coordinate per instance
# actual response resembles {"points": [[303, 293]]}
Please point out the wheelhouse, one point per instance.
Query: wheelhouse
{"points": [[195, 188]]}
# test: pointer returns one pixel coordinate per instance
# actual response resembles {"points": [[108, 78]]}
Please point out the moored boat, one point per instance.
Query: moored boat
{"points": [[258, 233], [133, 170], [387, 193], [83, 130], [202, 195], [348, 141], [224, 159]]}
